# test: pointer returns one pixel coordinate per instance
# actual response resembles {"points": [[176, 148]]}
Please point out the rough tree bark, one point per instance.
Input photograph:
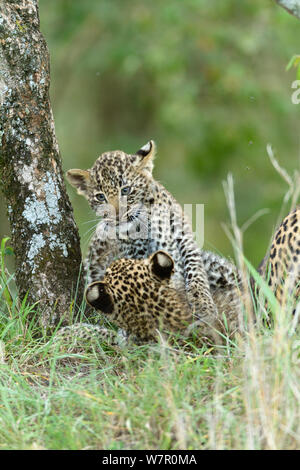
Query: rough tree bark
{"points": [[292, 6], [44, 234]]}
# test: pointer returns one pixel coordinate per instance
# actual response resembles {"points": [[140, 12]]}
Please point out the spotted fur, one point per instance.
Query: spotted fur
{"points": [[81, 336], [281, 266], [121, 190], [143, 299], [146, 299]]}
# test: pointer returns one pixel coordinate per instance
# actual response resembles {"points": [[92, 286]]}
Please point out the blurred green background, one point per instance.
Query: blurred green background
{"points": [[206, 80]]}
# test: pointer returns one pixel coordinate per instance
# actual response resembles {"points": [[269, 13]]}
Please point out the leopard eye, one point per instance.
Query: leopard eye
{"points": [[125, 191], [100, 197]]}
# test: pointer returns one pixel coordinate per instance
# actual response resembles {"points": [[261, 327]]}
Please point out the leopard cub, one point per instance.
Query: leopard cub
{"points": [[281, 266], [137, 217], [141, 297]]}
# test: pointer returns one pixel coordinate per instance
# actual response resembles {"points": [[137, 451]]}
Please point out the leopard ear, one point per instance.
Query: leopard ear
{"points": [[146, 156], [97, 296], [162, 265], [80, 179]]}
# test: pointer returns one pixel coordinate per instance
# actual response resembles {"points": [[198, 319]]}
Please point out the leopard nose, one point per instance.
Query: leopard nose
{"points": [[116, 209], [114, 206]]}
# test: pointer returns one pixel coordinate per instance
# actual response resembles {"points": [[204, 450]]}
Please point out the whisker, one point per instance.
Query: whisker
{"points": [[141, 222], [90, 221], [90, 229]]}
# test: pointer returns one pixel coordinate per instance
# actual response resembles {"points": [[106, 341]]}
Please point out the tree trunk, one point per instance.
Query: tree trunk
{"points": [[292, 6], [44, 235]]}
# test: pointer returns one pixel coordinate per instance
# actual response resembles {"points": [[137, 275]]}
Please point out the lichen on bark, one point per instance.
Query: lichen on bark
{"points": [[44, 234], [292, 6]]}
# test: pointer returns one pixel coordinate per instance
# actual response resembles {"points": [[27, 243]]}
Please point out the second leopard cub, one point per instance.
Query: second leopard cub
{"points": [[140, 297], [138, 217]]}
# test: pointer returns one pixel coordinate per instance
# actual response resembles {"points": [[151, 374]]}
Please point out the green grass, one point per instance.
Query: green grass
{"points": [[245, 396]]}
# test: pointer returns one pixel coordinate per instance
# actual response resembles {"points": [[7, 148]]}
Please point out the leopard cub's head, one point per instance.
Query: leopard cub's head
{"points": [[118, 184], [138, 296]]}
